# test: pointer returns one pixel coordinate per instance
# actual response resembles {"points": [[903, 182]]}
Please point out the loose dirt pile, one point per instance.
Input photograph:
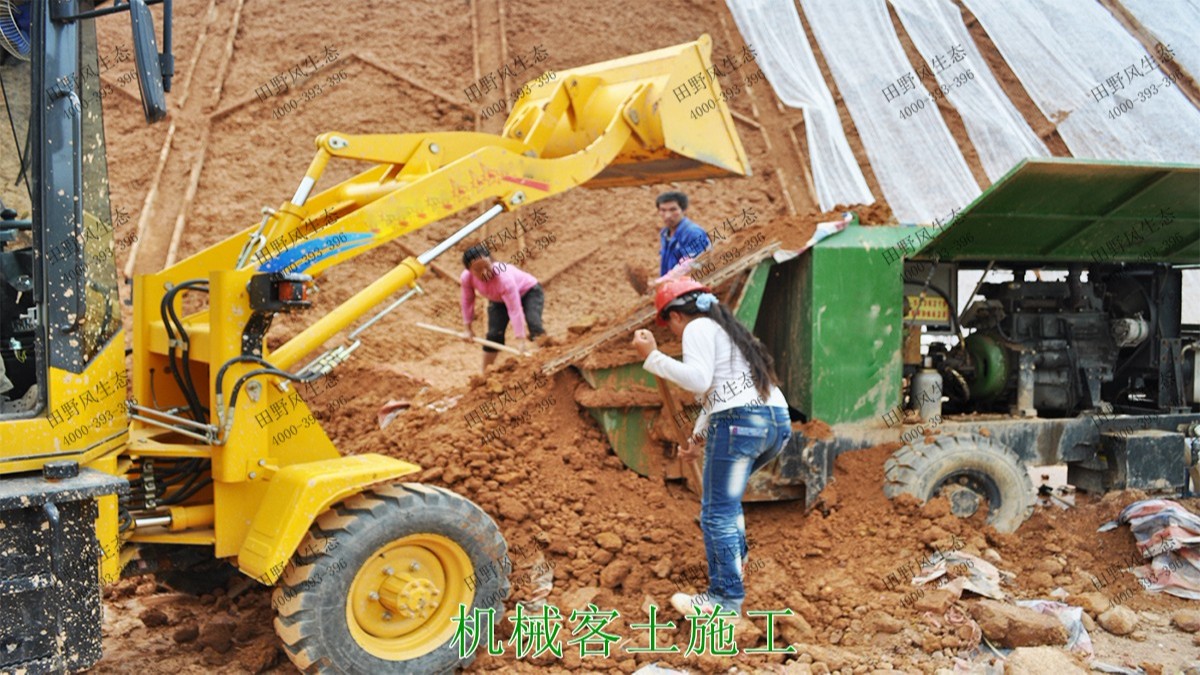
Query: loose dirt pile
{"points": [[610, 537]]}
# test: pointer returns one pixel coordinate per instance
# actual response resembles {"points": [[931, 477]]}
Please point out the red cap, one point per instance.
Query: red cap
{"points": [[670, 290]]}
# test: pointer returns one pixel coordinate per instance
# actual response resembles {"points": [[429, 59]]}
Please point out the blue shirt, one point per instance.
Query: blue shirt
{"points": [[689, 241]]}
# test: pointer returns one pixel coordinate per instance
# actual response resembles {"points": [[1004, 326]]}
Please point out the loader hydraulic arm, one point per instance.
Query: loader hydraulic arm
{"points": [[563, 135], [618, 123]]}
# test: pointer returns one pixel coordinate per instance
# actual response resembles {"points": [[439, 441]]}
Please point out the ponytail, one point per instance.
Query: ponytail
{"points": [[762, 366]]}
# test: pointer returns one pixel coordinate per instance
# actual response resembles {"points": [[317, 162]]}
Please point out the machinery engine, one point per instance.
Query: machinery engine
{"points": [[1107, 340]]}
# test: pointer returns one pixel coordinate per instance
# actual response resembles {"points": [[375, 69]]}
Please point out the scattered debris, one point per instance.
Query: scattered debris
{"points": [[1170, 535], [1015, 626], [1072, 619], [981, 577]]}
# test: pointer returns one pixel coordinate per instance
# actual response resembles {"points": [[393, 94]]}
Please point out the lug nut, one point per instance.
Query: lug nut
{"points": [[373, 595], [389, 571], [415, 566], [387, 616]]}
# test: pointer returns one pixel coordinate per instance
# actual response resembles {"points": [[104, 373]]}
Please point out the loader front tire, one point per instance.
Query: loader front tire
{"points": [[969, 470], [375, 584]]}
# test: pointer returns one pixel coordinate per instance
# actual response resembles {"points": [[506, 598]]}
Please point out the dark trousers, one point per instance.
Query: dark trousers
{"points": [[531, 303]]}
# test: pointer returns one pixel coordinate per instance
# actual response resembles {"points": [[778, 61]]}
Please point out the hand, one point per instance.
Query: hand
{"points": [[467, 335], [643, 342], [694, 449]]}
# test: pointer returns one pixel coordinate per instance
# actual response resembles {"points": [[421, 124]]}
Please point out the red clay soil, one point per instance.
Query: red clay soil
{"points": [[553, 480]]}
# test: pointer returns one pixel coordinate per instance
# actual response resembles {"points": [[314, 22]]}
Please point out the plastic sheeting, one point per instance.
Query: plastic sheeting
{"points": [[773, 27], [920, 168], [1109, 97], [1169, 535], [1176, 24], [1000, 134]]}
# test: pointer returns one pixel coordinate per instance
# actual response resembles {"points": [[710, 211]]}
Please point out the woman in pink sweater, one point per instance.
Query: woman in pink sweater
{"points": [[513, 295]]}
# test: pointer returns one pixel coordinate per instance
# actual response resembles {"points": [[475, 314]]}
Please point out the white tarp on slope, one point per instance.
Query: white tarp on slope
{"points": [[996, 128], [774, 29], [1176, 24], [920, 168], [1078, 64]]}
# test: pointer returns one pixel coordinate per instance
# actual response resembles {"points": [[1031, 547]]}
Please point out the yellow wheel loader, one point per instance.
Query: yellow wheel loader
{"points": [[204, 447]]}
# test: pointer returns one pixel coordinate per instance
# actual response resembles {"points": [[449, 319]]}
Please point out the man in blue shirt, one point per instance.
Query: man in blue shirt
{"points": [[680, 238]]}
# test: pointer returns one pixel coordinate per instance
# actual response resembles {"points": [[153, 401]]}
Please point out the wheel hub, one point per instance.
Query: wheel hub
{"points": [[405, 593], [409, 596], [964, 502]]}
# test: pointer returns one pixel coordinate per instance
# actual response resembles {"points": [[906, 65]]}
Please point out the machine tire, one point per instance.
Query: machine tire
{"points": [[318, 600], [921, 470]]}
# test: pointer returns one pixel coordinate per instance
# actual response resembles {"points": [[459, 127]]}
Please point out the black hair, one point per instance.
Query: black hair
{"points": [[677, 197], [475, 253], [762, 365]]}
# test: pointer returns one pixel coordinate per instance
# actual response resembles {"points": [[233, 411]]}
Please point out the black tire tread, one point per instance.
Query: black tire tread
{"points": [[298, 611], [908, 470]]}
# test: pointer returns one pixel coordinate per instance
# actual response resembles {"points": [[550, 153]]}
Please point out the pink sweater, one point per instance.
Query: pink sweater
{"points": [[506, 286]]}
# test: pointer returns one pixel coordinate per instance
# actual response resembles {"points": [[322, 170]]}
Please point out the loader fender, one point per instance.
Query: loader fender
{"points": [[296, 496]]}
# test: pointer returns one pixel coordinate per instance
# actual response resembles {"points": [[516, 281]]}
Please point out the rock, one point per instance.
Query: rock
{"points": [[1042, 660], [579, 598], [1118, 620], [1041, 580], [746, 634], [218, 634], [880, 622], [1049, 566], [647, 603], [662, 568], [513, 510], [260, 655], [154, 617], [186, 634], [602, 557], [1151, 667], [932, 534], [1187, 620], [794, 629], [609, 541], [247, 631], [1012, 626], [454, 473], [937, 601], [583, 325], [613, 574], [1092, 603], [992, 555], [1088, 622]]}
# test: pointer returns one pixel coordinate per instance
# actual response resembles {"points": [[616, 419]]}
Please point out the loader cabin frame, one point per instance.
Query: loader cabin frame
{"points": [[62, 345]]}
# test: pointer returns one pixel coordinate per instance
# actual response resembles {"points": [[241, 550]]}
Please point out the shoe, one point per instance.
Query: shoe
{"points": [[690, 605]]}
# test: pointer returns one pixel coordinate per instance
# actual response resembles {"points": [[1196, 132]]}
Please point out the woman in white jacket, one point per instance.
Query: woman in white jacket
{"points": [[743, 424]]}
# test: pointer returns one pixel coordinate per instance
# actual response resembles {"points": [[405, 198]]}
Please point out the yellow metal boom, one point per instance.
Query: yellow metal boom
{"points": [[623, 122]]}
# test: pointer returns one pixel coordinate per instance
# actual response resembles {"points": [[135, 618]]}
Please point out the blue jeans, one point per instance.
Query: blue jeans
{"points": [[740, 442]]}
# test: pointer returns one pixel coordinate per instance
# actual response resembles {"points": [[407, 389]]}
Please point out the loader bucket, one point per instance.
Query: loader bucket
{"points": [[682, 129]]}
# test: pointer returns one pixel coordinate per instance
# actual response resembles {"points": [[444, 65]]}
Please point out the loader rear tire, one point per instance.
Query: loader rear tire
{"points": [[375, 584], [968, 470]]}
